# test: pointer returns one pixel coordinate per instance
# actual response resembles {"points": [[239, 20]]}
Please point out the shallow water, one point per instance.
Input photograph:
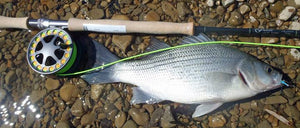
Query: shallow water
{"points": [[29, 99]]}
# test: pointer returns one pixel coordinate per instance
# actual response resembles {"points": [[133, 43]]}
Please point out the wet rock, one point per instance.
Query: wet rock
{"points": [[269, 40], [74, 7], [88, 119], [151, 16], [2, 94], [10, 76], [292, 111], [122, 41], [275, 100], [130, 124], [63, 124], [169, 10], [112, 96], [210, 3], [286, 13], [141, 118], [244, 9], [235, 19], [68, 91], [96, 13], [37, 95], [156, 115], [120, 119], [77, 108], [96, 91], [52, 84], [226, 3], [294, 26], [182, 10], [264, 124], [167, 118], [277, 7], [216, 121]]}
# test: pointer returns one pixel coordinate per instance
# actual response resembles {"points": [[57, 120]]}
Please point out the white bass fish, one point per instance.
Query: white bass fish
{"points": [[209, 75]]}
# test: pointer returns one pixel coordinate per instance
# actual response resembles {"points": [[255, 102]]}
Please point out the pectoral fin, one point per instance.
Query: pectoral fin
{"points": [[203, 109], [139, 96]]}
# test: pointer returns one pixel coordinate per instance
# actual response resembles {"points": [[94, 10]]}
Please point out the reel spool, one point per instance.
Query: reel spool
{"points": [[51, 51]]}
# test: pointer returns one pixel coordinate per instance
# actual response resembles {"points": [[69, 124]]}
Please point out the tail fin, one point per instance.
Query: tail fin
{"points": [[106, 75]]}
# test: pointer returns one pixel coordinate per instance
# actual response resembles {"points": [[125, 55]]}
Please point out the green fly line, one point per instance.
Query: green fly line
{"points": [[174, 47]]}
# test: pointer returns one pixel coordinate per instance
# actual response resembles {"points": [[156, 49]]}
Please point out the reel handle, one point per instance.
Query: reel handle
{"points": [[124, 26], [8, 22]]}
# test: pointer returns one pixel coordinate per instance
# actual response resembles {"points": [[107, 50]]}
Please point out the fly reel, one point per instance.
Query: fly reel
{"points": [[51, 51]]}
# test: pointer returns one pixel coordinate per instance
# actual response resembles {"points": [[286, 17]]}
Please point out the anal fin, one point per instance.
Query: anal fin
{"points": [[203, 109], [139, 96]]}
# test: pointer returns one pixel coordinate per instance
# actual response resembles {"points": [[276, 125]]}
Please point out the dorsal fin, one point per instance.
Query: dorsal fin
{"points": [[196, 39]]}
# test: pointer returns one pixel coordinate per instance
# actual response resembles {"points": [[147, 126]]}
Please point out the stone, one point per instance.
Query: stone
{"points": [[167, 118], [275, 100], [52, 84], [141, 118], [294, 26], [96, 13], [220, 10], [77, 108], [292, 111], [276, 7], [74, 7], [210, 3], [216, 121], [68, 91], [269, 40], [298, 105], [271, 1], [169, 9], [156, 115], [264, 124], [122, 41], [244, 9], [37, 95], [205, 20], [88, 119], [5, 1], [289, 92], [151, 16], [294, 3], [227, 3], [120, 17], [15, 50], [10, 76], [112, 96], [125, 1], [96, 91], [130, 124], [287, 13], [120, 119], [53, 16], [183, 10], [2, 94], [62, 124], [235, 19]]}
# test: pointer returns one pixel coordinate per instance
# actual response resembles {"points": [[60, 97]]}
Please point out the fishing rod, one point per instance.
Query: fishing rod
{"points": [[149, 27]]}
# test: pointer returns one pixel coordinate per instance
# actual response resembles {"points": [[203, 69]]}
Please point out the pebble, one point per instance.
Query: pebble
{"points": [[88, 118], [120, 119], [10, 76], [96, 91], [151, 16], [125, 1], [210, 3], [156, 115], [141, 118], [292, 111], [235, 19], [167, 118], [226, 3], [68, 91], [96, 13], [244, 9], [286, 13], [2, 94], [122, 41], [264, 124], [277, 7], [62, 124], [275, 100], [53, 16], [294, 26], [112, 96], [220, 10], [52, 84], [182, 10], [15, 50], [130, 124], [216, 121], [74, 7], [294, 3], [289, 92], [37, 95], [169, 9], [269, 40], [77, 108]]}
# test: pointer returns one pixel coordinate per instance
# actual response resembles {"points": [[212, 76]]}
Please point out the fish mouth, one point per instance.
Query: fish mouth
{"points": [[276, 81], [243, 78]]}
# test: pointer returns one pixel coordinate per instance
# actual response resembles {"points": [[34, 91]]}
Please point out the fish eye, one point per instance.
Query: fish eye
{"points": [[269, 69]]}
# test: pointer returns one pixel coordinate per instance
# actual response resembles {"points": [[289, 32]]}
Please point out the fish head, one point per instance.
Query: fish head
{"points": [[259, 76]]}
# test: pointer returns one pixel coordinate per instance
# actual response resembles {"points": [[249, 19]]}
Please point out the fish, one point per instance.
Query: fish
{"points": [[209, 75]]}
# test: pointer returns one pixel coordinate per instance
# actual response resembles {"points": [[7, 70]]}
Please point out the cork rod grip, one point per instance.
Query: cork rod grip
{"points": [[124, 26], [8, 22]]}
